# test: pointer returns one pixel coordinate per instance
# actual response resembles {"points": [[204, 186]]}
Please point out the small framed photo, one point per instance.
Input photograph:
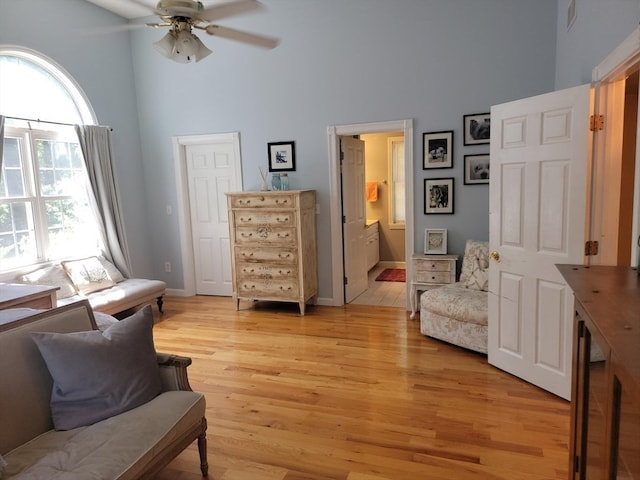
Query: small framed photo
{"points": [[477, 128], [435, 241], [438, 195], [476, 169], [282, 156], [437, 149]]}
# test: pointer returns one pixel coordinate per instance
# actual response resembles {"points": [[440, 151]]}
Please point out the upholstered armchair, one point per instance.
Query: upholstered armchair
{"points": [[457, 313]]}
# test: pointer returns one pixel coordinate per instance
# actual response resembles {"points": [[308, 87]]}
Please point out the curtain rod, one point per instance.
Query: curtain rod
{"points": [[37, 120]]}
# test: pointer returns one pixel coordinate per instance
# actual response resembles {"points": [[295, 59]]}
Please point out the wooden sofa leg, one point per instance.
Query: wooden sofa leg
{"points": [[202, 449], [160, 301]]}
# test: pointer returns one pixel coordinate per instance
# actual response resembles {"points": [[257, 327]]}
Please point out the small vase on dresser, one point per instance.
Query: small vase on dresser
{"points": [[273, 246]]}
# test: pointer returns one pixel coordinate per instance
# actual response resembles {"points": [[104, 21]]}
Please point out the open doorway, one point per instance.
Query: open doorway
{"points": [[384, 232], [402, 128]]}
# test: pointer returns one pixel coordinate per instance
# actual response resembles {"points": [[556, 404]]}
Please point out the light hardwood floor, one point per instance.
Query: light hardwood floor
{"points": [[353, 393], [387, 294]]}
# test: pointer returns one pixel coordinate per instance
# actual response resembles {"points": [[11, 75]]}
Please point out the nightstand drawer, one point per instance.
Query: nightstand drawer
{"points": [[433, 277], [431, 265]]}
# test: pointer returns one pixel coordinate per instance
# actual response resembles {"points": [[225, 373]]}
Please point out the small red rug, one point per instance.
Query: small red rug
{"points": [[392, 275]]}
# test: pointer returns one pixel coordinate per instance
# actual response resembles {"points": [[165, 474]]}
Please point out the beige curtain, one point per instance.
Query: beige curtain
{"points": [[95, 142]]}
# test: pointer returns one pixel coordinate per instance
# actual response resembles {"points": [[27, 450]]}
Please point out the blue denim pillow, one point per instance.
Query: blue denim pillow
{"points": [[97, 375]]}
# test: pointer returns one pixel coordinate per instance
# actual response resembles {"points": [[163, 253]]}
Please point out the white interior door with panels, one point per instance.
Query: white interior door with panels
{"points": [[354, 217], [538, 192], [209, 168]]}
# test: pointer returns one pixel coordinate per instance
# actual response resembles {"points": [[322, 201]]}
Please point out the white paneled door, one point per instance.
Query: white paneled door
{"points": [[538, 191], [354, 213], [213, 168]]}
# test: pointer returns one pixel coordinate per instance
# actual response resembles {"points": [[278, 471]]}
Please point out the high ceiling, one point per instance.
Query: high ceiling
{"points": [[128, 8]]}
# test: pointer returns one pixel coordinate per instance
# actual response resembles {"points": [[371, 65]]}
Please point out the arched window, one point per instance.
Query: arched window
{"points": [[44, 208]]}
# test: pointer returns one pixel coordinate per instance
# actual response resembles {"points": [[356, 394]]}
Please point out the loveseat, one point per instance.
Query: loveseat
{"points": [[91, 404], [458, 313], [97, 280]]}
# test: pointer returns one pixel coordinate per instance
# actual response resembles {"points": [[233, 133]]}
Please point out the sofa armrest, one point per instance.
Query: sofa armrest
{"points": [[173, 371]]}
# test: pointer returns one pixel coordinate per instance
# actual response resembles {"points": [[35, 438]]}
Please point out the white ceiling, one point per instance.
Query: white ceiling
{"points": [[137, 8], [128, 8]]}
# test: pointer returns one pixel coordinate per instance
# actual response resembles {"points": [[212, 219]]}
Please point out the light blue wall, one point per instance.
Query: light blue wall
{"points": [[343, 62], [600, 26], [102, 65], [339, 62]]}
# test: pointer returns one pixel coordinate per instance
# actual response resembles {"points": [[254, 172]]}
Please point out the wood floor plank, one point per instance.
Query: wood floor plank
{"points": [[353, 393]]}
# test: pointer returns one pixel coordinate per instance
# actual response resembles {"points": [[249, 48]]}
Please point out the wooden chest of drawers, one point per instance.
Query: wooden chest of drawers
{"points": [[273, 242], [430, 271]]}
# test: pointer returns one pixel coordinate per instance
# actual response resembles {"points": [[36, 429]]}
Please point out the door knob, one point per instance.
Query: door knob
{"points": [[494, 256]]}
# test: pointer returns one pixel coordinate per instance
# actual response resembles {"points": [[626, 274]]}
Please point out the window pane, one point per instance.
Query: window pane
{"points": [[11, 153], [71, 229], [11, 177], [45, 96], [57, 177], [17, 235]]}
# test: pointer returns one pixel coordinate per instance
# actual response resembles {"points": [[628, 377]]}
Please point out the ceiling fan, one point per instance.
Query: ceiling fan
{"points": [[182, 16]]}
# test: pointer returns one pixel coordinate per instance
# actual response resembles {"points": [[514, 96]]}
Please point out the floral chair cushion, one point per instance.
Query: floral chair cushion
{"points": [[475, 266]]}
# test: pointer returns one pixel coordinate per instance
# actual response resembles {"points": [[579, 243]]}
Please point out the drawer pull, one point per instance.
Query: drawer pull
{"points": [[283, 289], [246, 235], [280, 235], [247, 255], [282, 220], [242, 219], [283, 272], [281, 202], [433, 265], [433, 278], [284, 255], [264, 231], [244, 202]]}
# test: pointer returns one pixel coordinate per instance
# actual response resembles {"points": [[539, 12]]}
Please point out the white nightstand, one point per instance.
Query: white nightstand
{"points": [[430, 271]]}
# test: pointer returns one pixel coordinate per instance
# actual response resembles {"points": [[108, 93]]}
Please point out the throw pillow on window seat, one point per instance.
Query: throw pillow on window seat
{"points": [[111, 269], [88, 275], [53, 275], [100, 374]]}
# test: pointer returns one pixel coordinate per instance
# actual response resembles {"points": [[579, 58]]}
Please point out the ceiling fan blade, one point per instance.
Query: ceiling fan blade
{"points": [[111, 29], [229, 9], [240, 36]]}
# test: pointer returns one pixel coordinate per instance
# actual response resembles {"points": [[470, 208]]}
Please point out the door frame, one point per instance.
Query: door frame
{"points": [[180, 144], [335, 199], [623, 58]]}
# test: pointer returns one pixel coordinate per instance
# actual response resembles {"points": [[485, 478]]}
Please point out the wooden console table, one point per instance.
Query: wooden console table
{"points": [[15, 295], [605, 396]]}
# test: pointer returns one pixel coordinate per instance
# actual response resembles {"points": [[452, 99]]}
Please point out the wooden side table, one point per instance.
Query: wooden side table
{"points": [[430, 271], [15, 295]]}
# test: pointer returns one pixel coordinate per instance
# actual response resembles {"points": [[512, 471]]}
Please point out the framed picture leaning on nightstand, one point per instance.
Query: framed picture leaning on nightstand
{"points": [[435, 241]]}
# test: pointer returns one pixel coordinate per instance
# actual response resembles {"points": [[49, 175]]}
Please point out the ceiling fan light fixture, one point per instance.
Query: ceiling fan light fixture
{"points": [[185, 47], [202, 51], [165, 45]]}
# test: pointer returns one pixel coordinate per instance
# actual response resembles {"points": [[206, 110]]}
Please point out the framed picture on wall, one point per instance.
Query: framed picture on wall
{"points": [[476, 169], [477, 128], [438, 195], [282, 156], [435, 241], [437, 149]]}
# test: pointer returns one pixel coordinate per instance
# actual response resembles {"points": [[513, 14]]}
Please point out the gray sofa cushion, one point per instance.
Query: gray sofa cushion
{"points": [[119, 447], [97, 375]]}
